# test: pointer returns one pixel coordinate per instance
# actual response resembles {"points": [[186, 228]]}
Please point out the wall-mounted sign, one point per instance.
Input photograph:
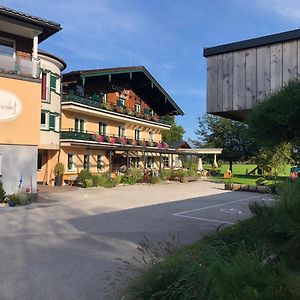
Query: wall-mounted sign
{"points": [[10, 106]]}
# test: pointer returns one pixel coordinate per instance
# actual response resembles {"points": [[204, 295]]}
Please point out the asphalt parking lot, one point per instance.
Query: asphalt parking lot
{"points": [[63, 247]]}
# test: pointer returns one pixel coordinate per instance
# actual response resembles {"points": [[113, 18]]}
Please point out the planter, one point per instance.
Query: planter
{"points": [[58, 180], [244, 187], [124, 141], [119, 140], [101, 139], [236, 187], [113, 140], [166, 146], [228, 186], [160, 146]]}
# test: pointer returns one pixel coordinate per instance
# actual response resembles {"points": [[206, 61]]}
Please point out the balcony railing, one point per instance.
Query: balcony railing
{"points": [[119, 108], [71, 134], [19, 66]]}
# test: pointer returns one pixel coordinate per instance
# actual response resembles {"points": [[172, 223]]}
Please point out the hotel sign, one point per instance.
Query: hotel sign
{"points": [[10, 106]]}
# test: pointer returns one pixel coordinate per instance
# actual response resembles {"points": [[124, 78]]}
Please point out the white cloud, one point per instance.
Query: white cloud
{"points": [[289, 9]]}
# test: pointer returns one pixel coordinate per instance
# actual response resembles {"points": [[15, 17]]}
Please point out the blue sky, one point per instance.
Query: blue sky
{"points": [[166, 36]]}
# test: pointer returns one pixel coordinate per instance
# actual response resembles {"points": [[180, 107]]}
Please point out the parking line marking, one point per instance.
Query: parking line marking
{"points": [[202, 219], [217, 205]]}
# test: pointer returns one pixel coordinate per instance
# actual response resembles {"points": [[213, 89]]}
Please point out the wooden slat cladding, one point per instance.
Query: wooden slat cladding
{"points": [[237, 80]]}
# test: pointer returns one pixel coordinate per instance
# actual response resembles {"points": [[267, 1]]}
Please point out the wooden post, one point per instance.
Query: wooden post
{"points": [[160, 164], [172, 167], [127, 162], [110, 162]]}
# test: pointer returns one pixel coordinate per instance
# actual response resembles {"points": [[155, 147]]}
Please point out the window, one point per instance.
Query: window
{"points": [[53, 79], [137, 134], [104, 98], [151, 136], [99, 163], [7, 47], [121, 131], [70, 162], [137, 107], [44, 120], [121, 101], [102, 128], [166, 161], [79, 125], [150, 162], [151, 112], [44, 86], [86, 158], [40, 160]]}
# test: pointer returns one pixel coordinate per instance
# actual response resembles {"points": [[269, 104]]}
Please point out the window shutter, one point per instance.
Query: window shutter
{"points": [[53, 82], [52, 121]]}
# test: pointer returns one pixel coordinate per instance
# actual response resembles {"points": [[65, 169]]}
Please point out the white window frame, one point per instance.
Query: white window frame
{"points": [[137, 107], [151, 136], [135, 134], [57, 123], [73, 164], [166, 159], [46, 126]]}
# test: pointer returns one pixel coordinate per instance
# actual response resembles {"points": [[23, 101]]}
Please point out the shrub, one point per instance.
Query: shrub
{"points": [[59, 169], [83, 176], [21, 198], [136, 173], [155, 180], [180, 173], [128, 179], [89, 183], [260, 181], [166, 174], [2, 192]]}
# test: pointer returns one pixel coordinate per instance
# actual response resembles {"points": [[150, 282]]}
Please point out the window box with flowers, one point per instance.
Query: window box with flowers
{"points": [[141, 143], [113, 140], [150, 143], [155, 118]]}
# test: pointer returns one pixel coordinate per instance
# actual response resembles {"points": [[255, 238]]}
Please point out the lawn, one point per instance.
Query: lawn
{"points": [[256, 259], [239, 174]]}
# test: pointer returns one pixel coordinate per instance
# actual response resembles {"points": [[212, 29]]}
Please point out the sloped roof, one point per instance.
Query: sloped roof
{"points": [[124, 70], [49, 27]]}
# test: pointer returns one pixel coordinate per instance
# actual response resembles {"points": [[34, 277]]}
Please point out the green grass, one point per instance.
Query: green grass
{"points": [[239, 174], [234, 263]]}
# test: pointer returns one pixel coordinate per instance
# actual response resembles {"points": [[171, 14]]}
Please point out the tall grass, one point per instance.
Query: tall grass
{"points": [[255, 259]]}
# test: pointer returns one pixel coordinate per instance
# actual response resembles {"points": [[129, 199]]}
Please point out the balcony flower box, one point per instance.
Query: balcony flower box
{"points": [[166, 146], [150, 143], [101, 138], [130, 112], [160, 146], [141, 143], [113, 140], [105, 105], [118, 140], [138, 114], [155, 118], [124, 141], [120, 109], [147, 117]]}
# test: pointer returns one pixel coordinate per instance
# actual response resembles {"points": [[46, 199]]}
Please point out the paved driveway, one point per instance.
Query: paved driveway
{"points": [[63, 247]]}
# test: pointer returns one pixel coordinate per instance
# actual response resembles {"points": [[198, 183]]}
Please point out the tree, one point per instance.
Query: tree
{"points": [[174, 134], [276, 120], [230, 135], [273, 160]]}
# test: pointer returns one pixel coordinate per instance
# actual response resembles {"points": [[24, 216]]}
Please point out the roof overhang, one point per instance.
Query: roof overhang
{"points": [[26, 25], [252, 43], [131, 75]]}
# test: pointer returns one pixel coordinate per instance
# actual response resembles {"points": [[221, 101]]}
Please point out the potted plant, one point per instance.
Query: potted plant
{"points": [[155, 118], [166, 145], [147, 117], [150, 143], [59, 171], [112, 140]]}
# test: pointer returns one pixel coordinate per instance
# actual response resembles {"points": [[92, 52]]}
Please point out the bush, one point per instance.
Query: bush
{"points": [[2, 192], [136, 173], [89, 183], [155, 180], [166, 174], [128, 179], [83, 176], [21, 198], [255, 259], [180, 173], [59, 169]]}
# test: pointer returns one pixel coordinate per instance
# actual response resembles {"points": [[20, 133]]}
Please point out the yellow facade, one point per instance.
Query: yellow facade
{"points": [[91, 125], [25, 129]]}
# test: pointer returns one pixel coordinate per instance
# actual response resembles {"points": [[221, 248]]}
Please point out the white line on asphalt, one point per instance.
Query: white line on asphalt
{"points": [[202, 219], [217, 205]]}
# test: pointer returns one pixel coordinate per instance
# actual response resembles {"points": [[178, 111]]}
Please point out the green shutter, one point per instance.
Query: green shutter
{"points": [[76, 124], [53, 82], [52, 121]]}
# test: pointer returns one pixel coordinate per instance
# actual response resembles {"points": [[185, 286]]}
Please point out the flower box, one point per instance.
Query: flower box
{"points": [[160, 145], [120, 109], [101, 138], [140, 143], [147, 117], [150, 144], [112, 140], [166, 146], [155, 118]]}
